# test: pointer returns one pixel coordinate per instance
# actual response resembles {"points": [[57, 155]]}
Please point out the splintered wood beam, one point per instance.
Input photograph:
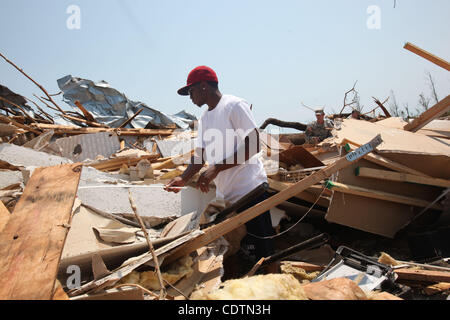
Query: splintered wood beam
{"points": [[17, 124], [32, 80], [86, 113], [4, 216], [19, 107], [400, 177], [174, 162], [131, 119], [117, 163], [32, 240], [426, 117], [216, 231], [89, 123], [61, 129], [387, 114], [423, 275], [426, 55], [375, 194]]}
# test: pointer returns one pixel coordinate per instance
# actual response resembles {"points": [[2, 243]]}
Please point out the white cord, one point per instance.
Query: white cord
{"points": [[290, 228]]}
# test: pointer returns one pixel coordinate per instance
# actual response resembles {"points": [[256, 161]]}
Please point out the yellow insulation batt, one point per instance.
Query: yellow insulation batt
{"points": [[260, 287], [149, 279]]}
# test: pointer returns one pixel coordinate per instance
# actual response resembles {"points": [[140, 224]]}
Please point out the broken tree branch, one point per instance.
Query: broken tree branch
{"points": [[381, 105], [284, 124], [162, 292], [37, 84], [20, 108], [89, 123], [86, 113], [42, 111], [131, 119], [345, 97], [17, 124], [41, 100]]}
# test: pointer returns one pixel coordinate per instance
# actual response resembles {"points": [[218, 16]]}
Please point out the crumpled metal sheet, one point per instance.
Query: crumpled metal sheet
{"points": [[110, 107], [6, 93], [88, 146]]}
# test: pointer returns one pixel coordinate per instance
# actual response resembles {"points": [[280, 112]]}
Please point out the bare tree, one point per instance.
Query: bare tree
{"points": [[424, 102], [433, 88], [394, 108], [406, 113]]}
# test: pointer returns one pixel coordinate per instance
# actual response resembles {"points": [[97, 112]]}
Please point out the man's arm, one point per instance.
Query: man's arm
{"points": [[197, 162], [234, 160]]}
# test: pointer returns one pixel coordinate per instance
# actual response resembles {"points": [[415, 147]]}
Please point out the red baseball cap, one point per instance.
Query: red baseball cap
{"points": [[201, 73]]}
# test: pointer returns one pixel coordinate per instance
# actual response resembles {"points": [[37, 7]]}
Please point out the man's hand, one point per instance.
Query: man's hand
{"points": [[206, 177], [176, 182]]}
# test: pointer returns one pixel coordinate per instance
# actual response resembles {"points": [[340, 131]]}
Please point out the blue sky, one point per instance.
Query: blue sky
{"points": [[275, 54]]}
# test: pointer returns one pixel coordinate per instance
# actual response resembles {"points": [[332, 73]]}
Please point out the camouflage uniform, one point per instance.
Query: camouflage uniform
{"points": [[317, 131]]}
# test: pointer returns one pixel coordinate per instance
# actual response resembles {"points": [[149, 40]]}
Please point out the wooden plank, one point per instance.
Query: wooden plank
{"points": [[89, 123], [131, 119], [384, 162], [426, 55], [305, 196], [86, 113], [442, 287], [400, 177], [174, 162], [426, 117], [61, 129], [423, 275], [116, 164], [5, 215], [308, 267], [32, 241], [214, 232], [375, 194], [7, 130], [17, 124], [299, 155]]}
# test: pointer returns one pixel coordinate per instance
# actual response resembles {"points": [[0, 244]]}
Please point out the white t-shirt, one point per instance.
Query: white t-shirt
{"points": [[221, 132]]}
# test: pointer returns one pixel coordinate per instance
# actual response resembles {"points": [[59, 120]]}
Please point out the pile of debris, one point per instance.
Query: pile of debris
{"points": [[84, 215]]}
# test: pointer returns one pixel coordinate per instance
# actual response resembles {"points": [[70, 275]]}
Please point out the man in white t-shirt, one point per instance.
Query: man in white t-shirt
{"points": [[228, 140]]}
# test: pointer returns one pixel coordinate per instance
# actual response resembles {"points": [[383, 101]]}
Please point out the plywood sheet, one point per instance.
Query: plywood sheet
{"points": [[32, 240], [4, 216], [299, 155], [394, 140], [372, 215]]}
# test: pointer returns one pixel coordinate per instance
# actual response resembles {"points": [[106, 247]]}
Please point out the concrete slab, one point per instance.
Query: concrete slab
{"points": [[8, 177], [24, 157]]}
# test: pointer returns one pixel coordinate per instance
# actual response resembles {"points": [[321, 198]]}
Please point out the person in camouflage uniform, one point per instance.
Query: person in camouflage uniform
{"points": [[318, 130]]}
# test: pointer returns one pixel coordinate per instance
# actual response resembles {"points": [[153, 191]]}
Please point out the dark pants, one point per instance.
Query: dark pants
{"points": [[261, 226]]}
